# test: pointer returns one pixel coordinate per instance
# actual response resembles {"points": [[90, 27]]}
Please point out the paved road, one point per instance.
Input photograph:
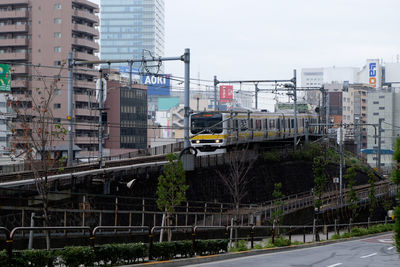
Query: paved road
{"points": [[372, 252]]}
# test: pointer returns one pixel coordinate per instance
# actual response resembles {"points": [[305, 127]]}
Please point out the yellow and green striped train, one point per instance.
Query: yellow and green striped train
{"points": [[215, 131]]}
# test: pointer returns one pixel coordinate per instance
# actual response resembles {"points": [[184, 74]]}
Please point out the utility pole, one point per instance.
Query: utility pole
{"points": [[101, 107], [130, 74], [379, 145], [256, 95], [327, 112], [70, 110], [215, 93], [295, 108], [186, 60], [341, 163]]}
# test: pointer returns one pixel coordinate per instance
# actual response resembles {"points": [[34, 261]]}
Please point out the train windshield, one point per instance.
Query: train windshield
{"points": [[206, 123]]}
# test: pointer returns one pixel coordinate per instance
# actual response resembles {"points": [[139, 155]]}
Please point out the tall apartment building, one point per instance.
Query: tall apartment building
{"points": [[383, 105], [42, 33], [128, 27]]}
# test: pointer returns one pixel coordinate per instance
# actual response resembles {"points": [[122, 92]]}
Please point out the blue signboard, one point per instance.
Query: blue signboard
{"points": [[157, 84]]}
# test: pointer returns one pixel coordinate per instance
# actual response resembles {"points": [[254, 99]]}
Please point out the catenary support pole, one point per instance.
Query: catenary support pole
{"points": [[215, 93], [187, 95], [341, 163], [295, 108], [101, 107], [130, 74], [256, 95], [379, 145], [70, 110]]}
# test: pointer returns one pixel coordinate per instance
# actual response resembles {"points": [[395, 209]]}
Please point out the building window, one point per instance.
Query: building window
{"points": [[57, 21], [57, 106], [57, 63], [57, 35], [376, 114], [57, 91], [39, 22], [382, 108], [375, 102], [381, 96], [57, 6], [57, 49]]}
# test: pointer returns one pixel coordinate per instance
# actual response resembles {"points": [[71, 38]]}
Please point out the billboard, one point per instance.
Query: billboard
{"points": [[226, 94], [374, 73], [5, 78], [157, 84]]}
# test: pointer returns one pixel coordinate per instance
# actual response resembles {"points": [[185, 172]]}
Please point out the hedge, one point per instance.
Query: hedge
{"points": [[112, 254]]}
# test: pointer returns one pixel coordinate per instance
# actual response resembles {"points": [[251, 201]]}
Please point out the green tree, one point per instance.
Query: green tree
{"points": [[352, 198], [277, 195], [171, 187], [373, 202], [396, 180], [320, 181]]}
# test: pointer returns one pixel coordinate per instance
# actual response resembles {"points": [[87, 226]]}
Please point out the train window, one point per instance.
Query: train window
{"points": [[243, 125], [251, 124], [258, 125], [292, 123], [229, 124], [235, 124], [265, 124], [278, 124]]}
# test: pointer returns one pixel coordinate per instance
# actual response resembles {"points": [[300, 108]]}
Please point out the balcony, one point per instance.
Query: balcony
{"points": [[86, 112], [19, 69], [86, 15], [85, 56], [84, 84], [13, 28], [14, 14], [86, 140], [87, 3], [19, 83], [14, 56], [86, 43], [85, 29], [15, 2], [83, 98], [14, 42]]}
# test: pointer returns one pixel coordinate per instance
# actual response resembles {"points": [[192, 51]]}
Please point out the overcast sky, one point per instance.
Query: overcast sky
{"points": [[267, 39]]}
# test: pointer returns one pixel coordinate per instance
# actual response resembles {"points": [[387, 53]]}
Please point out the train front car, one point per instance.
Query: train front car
{"points": [[208, 132]]}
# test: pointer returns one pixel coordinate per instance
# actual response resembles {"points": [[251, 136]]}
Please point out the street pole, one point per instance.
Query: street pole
{"points": [[256, 95], [70, 110], [101, 107], [379, 145], [341, 162], [215, 93], [295, 108], [130, 74], [327, 112], [187, 96]]}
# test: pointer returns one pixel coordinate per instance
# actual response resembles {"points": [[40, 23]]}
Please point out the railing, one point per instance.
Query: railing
{"points": [[304, 233]]}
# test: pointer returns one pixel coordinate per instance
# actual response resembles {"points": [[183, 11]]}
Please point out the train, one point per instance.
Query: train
{"points": [[213, 132]]}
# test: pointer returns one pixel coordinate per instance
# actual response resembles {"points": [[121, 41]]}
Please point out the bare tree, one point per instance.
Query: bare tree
{"points": [[235, 177], [34, 131]]}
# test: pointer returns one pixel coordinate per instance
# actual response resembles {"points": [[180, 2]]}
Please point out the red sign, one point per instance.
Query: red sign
{"points": [[226, 93]]}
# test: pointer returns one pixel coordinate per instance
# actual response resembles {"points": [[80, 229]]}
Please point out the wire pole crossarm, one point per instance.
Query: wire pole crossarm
{"points": [[129, 61]]}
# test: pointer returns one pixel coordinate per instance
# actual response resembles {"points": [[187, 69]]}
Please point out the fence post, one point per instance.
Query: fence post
{"points": [[273, 233], [143, 210], [290, 233], [193, 240], [385, 219], [252, 237], [9, 244], [313, 230], [150, 245], [187, 213], [327, 232], [350, 225], [369, 221], [91, 239], [335, 230], [304, 234]]}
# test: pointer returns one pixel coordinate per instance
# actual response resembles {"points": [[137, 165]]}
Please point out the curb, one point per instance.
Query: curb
{"points": [[233, 255]]}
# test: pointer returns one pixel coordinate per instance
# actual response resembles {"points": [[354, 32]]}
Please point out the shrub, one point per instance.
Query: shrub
{"points": [[163, 250], [282, 242], [297, 243], [258, 246], [240, 245], [357, 231], [184, 248], [335, 237], [3, 258], [273, 156], [75, 256]]}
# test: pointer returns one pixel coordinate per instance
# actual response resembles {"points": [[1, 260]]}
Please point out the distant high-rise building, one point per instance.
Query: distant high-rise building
{"points": [[35, 39], [131, 29]]}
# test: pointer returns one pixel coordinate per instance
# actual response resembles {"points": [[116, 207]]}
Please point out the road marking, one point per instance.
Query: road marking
{"points": [[385, 240], [390, 248], [336, 264], [370, 255]]}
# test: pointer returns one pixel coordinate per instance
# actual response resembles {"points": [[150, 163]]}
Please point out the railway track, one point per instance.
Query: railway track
{"points": [[18, 176]]}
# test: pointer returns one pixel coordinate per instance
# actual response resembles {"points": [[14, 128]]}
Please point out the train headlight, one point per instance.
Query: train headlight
{"points": [[218, 141], [197, 141]]}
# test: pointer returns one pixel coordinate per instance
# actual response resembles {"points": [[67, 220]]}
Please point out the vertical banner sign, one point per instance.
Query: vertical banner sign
{"points": [[5, 78], [372, 74], [226, 93]]}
